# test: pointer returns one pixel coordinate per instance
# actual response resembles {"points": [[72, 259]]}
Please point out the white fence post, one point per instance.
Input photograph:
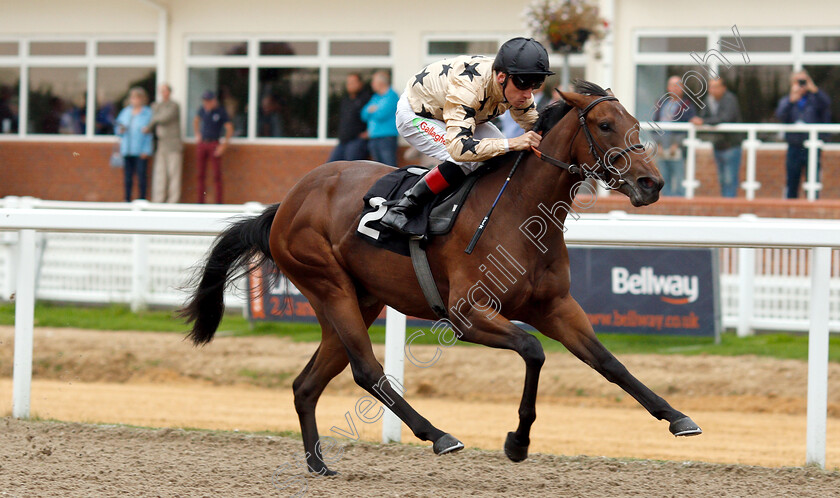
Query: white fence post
{"points": [[139, 265], [818, 356], [812, 185], [746, 290], [24, 324], [691, 183], [394, 366], [751, 145]]}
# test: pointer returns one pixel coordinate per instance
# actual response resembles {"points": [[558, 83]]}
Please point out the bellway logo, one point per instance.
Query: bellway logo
{"points": [[674, 289]]}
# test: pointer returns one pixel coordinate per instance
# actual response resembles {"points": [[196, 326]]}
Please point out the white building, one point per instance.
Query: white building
{"points": [[56, 56]]}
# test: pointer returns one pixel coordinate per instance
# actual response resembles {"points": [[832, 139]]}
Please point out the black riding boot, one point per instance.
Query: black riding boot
{"points": [[409, 206]]}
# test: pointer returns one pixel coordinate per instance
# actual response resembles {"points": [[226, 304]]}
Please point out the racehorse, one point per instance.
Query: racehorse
{"points": [[310, 237]]}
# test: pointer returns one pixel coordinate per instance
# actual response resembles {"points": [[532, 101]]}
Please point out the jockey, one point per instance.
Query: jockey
{"points": [[445, 110]]}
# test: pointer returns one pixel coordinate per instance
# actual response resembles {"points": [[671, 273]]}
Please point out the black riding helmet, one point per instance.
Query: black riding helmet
{"points": [[525, 61]]}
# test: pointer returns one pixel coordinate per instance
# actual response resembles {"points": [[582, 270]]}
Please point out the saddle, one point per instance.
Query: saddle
{"points": [[437, 218]]}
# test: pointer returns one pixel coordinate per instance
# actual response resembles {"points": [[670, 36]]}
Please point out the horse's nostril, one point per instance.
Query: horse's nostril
{"points": [[646, 183]]}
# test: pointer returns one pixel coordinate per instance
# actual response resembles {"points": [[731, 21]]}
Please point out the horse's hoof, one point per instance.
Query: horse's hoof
{"points": [[322, 472], [685, 427], [447, 444], [514, 451]]}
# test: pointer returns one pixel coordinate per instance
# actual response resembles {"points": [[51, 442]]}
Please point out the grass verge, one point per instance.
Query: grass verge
{"points": [[118, 317]]}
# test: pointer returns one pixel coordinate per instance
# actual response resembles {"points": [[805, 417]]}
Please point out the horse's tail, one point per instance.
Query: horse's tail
{"points": [[241, 248]]}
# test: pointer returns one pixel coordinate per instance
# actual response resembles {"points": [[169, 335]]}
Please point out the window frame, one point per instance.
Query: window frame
{"points": [[90, 61], [555, 60], [796, 57], [254, 62]]}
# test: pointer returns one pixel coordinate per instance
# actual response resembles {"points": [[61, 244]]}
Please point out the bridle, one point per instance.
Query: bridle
{"points": [[595, 149]]}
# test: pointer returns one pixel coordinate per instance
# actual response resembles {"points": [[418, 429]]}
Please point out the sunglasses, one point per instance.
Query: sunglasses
{"points": [[527, 83]]}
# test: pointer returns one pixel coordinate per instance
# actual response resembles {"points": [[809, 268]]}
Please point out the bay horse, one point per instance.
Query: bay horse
{"points": [[310, 237]]}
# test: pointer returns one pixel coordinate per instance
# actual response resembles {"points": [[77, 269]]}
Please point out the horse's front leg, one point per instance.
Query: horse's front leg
{"points": [[565, 321], [498, 332]]}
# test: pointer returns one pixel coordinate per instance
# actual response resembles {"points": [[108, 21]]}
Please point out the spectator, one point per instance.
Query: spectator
{"points": [[380, 114], [804, 104], [73, 119], [166, 121], [352, 131], [208, 123], [722, 107], [671, 157], [135, 143], [8, 110], [106, 113], [269, 122]]}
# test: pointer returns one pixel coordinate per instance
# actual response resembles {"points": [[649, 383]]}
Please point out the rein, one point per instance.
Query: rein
{"points": [[600, 155]]}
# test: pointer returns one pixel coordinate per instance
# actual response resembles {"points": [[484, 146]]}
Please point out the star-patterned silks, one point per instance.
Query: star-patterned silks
{"points": [[468, 111], [470, 70], [425, 113], [465, 131], [483, 102], [418, 78], [468, 144], [445, 70]]}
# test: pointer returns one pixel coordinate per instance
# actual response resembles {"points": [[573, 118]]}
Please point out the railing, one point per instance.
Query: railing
{"points": [[141, 270], [750, 145], [819, 235], [122, 268]]}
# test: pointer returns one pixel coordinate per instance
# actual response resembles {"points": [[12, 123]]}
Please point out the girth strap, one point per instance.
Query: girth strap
{"points": [[425, 277]]}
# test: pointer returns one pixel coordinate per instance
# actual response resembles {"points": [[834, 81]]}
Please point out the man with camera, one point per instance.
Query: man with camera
{"points": [[805, 104]]}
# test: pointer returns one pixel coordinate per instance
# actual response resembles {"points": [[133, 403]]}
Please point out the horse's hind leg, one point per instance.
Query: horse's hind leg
{"points": [[343, 314], [566, 322], [329, 360]]}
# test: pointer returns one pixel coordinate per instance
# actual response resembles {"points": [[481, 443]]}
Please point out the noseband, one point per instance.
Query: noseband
{"points": [[595, 148]]}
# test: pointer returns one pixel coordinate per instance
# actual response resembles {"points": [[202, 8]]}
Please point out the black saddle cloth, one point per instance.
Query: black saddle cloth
{"points": [[436, 218]]}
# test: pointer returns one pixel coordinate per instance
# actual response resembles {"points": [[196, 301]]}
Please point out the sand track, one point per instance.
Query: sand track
{"points": [[752, 411]]}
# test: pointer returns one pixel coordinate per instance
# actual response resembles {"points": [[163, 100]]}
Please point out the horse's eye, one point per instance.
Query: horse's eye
{"points": [[604, 126]]}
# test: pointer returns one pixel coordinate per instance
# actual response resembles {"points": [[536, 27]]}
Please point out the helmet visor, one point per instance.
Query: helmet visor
{"points": [[527, 81]]}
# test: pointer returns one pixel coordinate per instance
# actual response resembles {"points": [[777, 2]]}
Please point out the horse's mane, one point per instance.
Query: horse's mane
{"points": [[553, 113]]}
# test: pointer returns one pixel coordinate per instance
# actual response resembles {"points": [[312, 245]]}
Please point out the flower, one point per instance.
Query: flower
{"points": [[565, 24]]}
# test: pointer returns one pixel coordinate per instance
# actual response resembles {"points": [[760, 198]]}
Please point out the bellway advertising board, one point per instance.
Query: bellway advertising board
{"points": [[648, 291], [640, 291]]}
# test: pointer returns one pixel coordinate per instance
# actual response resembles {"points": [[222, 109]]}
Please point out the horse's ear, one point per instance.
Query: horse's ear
{"points": [[574, 99], [609, 92]]}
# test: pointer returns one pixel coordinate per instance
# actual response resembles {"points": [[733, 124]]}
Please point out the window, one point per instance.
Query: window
{"points": [[827, 79], [288, 105], [442, 47], [58, 100], [761, 43], [289, 48], [337, 91], [822, 43], [9, 106], [230, 84], [450, 48], [758, 84], [70, 83], [298, 82], [112, 85], [206, 48], [679, 44], [8, 48], [125, 48], [57, 48]]}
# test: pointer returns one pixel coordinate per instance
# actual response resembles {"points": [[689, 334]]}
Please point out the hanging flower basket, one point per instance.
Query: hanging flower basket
{"points": [[564, 25]]}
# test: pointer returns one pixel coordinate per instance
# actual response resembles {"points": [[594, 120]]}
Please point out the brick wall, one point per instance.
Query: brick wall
{"points": [[265, 173]]}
